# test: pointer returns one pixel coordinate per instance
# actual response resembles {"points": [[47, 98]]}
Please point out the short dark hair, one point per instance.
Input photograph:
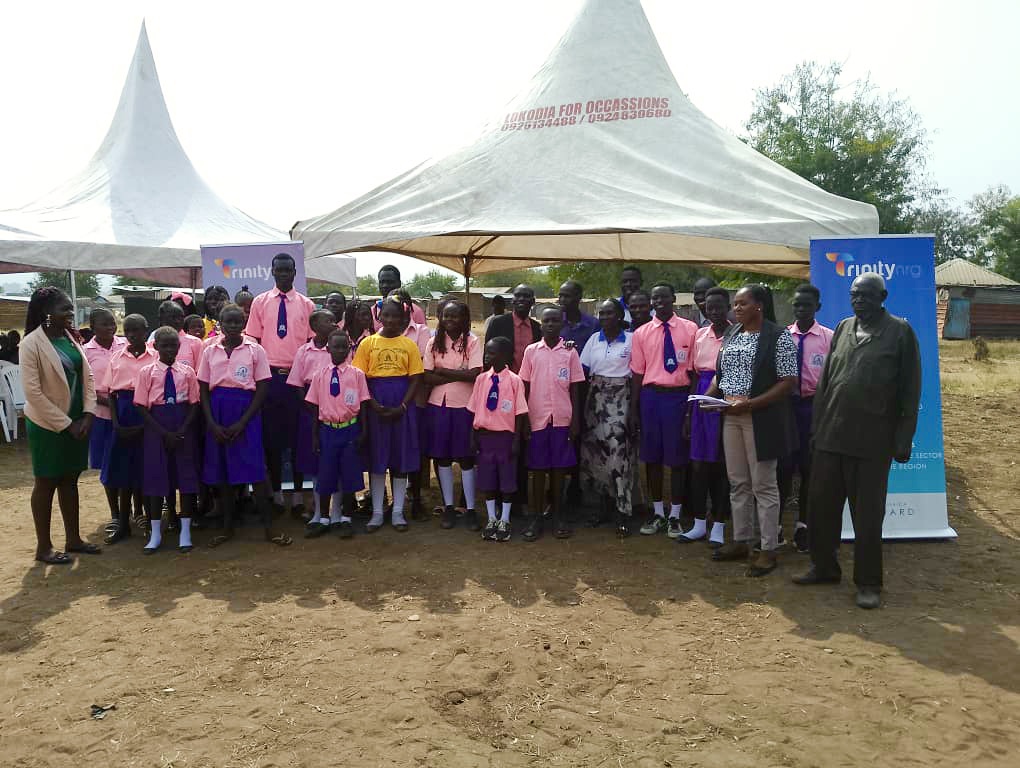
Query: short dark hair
{"points": [[97, 313], [663, 285], [499, 299], [388, 268], [321, 313], [338, 332], [616, 305], [575, 286], [280, 256], [170, 306], [505, 346], [718, 291], [641, 292], [809, 289], [631, 268], [164, 332]]}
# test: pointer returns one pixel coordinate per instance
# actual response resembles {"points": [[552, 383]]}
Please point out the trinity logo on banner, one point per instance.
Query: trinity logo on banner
{"points": [[847, 266], [233, 272]]}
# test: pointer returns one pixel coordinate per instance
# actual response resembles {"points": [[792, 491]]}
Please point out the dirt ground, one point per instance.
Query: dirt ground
{"points": [[434, 648]]}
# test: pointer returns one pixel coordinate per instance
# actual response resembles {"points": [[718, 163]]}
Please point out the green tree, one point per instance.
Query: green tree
{"points": [[849, 139], [128, 280], [538, 278], [956, 231], [433, 280], [998, 216], [316, 288], [368, 285], [86, 283], [601, 279]]}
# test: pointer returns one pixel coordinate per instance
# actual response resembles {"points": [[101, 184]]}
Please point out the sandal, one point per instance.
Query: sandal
{"points": [[55, 558], [185, 548], [217, 541], [534, 530], [118, 533], [281, 540], [84, 548], [315, 530]]}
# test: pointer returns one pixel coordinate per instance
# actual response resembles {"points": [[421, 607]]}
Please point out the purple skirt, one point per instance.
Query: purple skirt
{"points": [[662, 434], [167, 472], [706, 427], [305, 462], [122, 464], [102, 431], [393, 444], [280, 415], [551, 448], [496, 468], [449, 431], [242, 461]]}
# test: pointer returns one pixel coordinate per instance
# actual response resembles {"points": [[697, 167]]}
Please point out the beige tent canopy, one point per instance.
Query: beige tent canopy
{"points": [[602, 157]]}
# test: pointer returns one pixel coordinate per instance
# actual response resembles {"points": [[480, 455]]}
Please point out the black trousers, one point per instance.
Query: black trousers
{"points": [[836, 479]]}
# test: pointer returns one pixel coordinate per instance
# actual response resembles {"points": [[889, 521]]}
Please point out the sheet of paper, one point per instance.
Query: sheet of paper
{"points": [[715, 402]]}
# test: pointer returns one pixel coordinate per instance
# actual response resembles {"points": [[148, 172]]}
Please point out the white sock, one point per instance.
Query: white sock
{"points": [[698, 530], [185, 532], [336, 503], [506, 511], [156, 538], [490, 508], [675, 510], [399, 491], [657, 506], [445, 475], [344, 519], [718, 535], [377, 484], [467, 478], [800, 525], [278, 497], [335, 514]]}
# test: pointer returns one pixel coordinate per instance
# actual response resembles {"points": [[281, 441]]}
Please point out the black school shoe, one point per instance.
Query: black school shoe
{"points": [[800, 540], [448, 518], [471, 521], [534, 530]]}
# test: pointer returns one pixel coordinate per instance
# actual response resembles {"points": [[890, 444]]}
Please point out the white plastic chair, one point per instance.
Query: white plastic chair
{"points": [[13, 395], [3, 421]]}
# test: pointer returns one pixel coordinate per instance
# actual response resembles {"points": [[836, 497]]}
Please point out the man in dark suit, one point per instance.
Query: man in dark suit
{"points": [[518, 326]]}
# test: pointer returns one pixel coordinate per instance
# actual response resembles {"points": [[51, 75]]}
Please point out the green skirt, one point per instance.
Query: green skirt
{"points": [[55, 454]]}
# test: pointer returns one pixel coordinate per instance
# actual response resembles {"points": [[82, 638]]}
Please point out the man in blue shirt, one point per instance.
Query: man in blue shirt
{"points": [[630, 281], [577, 326]]}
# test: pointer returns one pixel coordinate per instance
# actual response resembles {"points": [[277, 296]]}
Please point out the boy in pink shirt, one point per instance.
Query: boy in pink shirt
{"points": [[339, 397], [813, 341], [166, 393], [662, 363], [279, 322], [498, 405], [552, 376]]}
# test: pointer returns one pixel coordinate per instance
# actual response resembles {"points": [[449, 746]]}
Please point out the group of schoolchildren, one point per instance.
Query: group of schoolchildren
{"points": [[208, 410]]}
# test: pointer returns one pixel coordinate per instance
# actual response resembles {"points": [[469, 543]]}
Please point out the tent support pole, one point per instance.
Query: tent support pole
{"points": [[467, 280], [194, 280], [74, 295]]}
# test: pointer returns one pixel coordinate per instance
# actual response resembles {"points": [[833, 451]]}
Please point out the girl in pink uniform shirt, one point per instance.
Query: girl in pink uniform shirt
{"points": [[310, 358], [499, 409], [122, 466], [233, 380], [452, 360], [166, 394]]}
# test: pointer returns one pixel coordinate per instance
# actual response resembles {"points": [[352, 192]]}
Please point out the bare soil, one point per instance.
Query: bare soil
{"points": [[434, 648]]}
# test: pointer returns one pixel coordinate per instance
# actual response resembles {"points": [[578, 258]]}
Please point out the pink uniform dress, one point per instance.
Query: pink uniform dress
{"points": [[102, 428], [308, 361]]}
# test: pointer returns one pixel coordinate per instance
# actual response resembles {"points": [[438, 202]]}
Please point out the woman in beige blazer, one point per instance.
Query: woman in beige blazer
{"points": [[60, 399]]}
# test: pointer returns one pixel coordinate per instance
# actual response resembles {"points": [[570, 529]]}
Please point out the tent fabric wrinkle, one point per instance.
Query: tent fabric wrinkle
{"points": [[601, 157]]}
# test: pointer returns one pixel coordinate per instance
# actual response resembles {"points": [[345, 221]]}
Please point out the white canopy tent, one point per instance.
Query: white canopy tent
{"points": [[601, 158], [139, 207]]}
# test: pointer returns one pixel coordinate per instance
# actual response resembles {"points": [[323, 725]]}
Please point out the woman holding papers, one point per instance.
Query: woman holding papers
{"points": [[755, 374]]}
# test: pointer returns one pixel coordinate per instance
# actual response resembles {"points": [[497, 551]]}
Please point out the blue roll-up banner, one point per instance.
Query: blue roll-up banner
{"points": [[916, 504], [249, 265]]}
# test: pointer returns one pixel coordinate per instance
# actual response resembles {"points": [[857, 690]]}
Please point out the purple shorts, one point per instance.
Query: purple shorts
{"points": [[122, 462], [242, 461], [550, 448], [449, 431], [496, 467], [166, 472], [305, 462], [662, 434], [102, 432], [706, 427], [393, 445], [280, 415], [340, 465]]}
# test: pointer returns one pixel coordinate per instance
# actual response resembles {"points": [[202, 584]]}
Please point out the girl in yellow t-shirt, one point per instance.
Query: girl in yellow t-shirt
{"points": [[393, 366]]}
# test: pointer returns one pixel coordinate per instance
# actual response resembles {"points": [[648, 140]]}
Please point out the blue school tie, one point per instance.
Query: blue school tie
{"points": [[668, 350], [492, 401], [800, 360], [169, 388], [281, 318], [334, 382]]}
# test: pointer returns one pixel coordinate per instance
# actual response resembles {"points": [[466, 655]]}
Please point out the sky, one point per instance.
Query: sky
{"points": [[290, 110]]}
